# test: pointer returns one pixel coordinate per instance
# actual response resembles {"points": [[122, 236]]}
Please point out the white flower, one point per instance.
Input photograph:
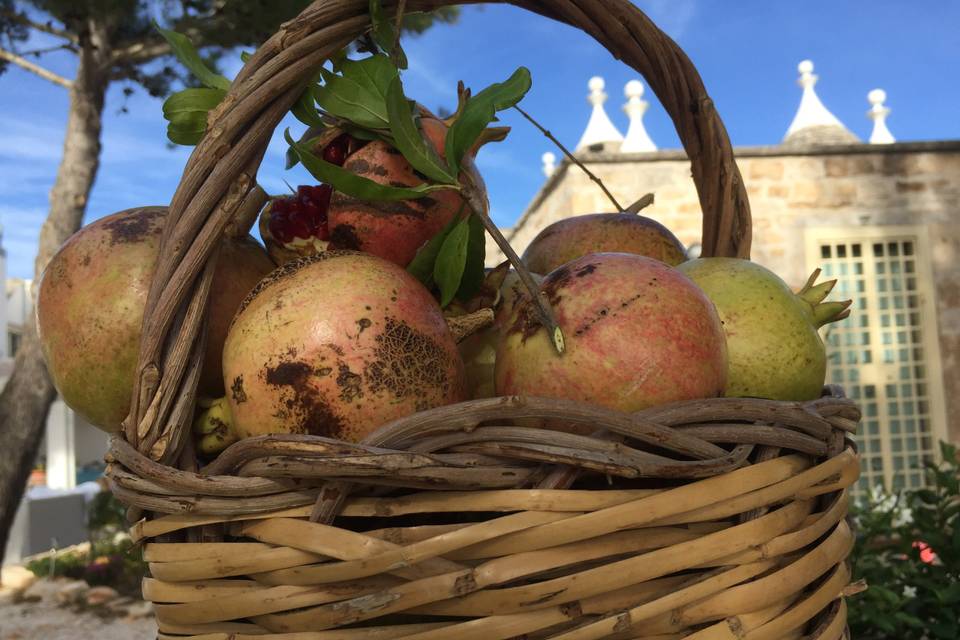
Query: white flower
{"points": [[909, 592]]}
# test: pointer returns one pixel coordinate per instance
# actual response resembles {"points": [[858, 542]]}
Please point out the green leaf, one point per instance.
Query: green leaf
{"points": [[244, 56], [473, 272], [187, 54], [359, 94], [305, 109], [451, 261], [408, 138], [192, 100], [480, 110], [350, 183], [421, 267], [384, 34], [186, 111]]}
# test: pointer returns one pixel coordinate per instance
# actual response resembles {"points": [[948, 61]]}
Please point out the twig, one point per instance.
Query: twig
{"points": [[641, 204], [472, 194], [401, 7], [571, 157], [43, 50], [23, 63]]}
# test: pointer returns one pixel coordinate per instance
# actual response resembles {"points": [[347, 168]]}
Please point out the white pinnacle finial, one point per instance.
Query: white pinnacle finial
{"points": [[549, 163], [599, 129], [637, 138], [812, 113], [878, 113]]}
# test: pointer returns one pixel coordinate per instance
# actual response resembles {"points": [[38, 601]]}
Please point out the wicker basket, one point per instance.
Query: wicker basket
{"points": [[710, 519]]}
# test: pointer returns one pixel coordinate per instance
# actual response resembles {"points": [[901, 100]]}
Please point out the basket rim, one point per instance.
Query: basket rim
{"points": [[218, 183]]}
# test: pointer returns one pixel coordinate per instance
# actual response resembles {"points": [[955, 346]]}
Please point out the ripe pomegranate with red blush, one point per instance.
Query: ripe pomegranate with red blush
{"points": [[638, 333]]}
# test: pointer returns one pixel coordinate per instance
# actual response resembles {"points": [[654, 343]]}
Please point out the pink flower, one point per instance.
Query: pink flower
{"points": [[926, 553]]}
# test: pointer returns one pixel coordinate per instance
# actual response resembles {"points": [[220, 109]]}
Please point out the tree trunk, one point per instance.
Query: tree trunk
{"points": [[26, 398]]}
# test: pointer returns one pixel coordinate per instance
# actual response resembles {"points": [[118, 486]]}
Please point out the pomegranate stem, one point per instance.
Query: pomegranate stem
{"points": [[572, 159], [478, 203]]}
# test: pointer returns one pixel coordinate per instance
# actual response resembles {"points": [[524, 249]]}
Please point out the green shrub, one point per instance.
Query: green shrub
{"points": [[112, 559], [908, 598]]}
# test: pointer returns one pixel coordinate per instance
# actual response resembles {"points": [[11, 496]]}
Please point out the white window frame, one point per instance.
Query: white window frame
{"points": [[926, 293]]}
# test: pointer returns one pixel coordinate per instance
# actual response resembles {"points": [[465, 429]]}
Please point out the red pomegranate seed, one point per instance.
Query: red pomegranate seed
{"points": [[279, 223], [336, 151], [299, 224]]}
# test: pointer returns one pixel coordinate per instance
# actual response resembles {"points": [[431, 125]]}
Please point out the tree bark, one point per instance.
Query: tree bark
{"points": [[26, 398]]}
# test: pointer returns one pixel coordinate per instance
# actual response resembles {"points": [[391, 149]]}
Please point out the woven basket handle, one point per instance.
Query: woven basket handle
{"points": [[218, 183]]}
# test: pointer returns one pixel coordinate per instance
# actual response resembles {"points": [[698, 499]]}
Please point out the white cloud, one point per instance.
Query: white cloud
{"points": [[21, 229], [31, 140]]}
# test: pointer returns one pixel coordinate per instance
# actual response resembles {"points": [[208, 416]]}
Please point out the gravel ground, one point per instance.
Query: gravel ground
{"points": [[46, 621]]}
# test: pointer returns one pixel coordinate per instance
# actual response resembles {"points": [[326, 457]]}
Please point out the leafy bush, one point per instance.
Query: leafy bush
{"points": [[111, 559], [908, 551]]}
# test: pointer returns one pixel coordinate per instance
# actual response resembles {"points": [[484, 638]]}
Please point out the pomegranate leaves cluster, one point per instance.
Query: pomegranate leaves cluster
{"points": [[186, 111], [366, 98]]}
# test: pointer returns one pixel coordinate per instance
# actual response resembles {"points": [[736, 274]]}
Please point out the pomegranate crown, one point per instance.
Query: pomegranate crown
{"points": [[815, 294]]}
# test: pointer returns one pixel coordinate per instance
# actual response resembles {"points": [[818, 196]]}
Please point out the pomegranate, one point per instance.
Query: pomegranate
{"points": [[479, 351], [638, 333], [336, 345], [570, 238], [775, 348], [296, 225], [90, 307], [392, 230]]}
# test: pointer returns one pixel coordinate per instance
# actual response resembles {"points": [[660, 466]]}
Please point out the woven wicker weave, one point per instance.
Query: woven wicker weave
{"points": [[710, 519]]}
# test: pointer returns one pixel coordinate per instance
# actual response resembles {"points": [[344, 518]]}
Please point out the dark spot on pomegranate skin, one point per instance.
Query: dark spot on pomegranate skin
{"points": [[288, 373], [236, 390], [349, 383], [527, 320], [86, 260], [134, 227], [382, 209], [407, 363], [363, 323], [303, 403], [362, 167], [586, 270], [344, 236]]}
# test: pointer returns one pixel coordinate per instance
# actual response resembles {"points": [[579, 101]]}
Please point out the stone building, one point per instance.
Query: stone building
{"points": [[883, 217]]}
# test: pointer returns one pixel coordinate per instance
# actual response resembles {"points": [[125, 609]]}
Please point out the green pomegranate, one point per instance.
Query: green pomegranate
{"points": [[774, 348]]}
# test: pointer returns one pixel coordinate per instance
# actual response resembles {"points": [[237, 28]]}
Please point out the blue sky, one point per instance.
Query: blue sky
{"points": [[746, 51]]}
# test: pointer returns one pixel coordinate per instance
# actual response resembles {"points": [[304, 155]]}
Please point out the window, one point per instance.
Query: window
{"points": [[885, 354], [13, 343]]}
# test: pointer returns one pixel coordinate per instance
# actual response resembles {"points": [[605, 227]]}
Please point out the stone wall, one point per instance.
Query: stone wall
{"points": [[790, 191]]}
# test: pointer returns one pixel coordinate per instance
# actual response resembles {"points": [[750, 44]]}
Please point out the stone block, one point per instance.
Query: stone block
{"points": [[778, 191], [841, 194], [16, 577], [99, 596], [904, 186], [860, 165], [805, 194], [72, 592], [836, 167], [766, 169]]}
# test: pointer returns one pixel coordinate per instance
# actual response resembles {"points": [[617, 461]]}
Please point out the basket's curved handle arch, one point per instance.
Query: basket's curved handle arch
{"points": [[219, 178]]}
